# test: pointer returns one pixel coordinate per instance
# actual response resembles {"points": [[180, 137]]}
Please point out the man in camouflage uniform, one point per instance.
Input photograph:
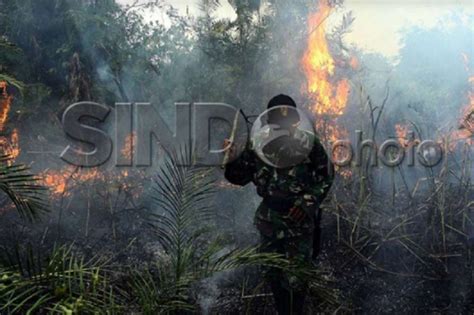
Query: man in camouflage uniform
{"points": [[286, 218]]}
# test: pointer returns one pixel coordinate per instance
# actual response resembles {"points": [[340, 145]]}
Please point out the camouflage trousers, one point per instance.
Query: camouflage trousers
{"points": [[280, 234]]}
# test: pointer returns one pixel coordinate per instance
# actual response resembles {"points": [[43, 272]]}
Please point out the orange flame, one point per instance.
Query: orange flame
{"points": [[467, 114], [14, 150], [5, 104], [402, 131], [331, 94], [466, 127], [9, 145], [62, 182], [466, 124], [57, 183], [328, 92]]}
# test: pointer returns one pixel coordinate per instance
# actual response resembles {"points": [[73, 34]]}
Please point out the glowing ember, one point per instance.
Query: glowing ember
{"points": [[127, 150], [56, 182], [402, 134], [405, 136]]}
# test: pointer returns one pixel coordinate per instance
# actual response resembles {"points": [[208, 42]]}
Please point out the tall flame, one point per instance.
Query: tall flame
{"points": [[330, 93]]}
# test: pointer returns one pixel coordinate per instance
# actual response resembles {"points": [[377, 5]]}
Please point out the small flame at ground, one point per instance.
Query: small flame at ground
{"points": [[62, 182], [405, 136], [56, 182]]}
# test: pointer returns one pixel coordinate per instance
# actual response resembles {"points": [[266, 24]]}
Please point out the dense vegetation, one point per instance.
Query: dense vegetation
{"points": [[148, 240]]}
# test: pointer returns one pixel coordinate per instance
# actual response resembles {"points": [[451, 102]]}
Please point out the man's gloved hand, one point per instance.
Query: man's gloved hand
{"points": [[297, 214], [228, 145]]}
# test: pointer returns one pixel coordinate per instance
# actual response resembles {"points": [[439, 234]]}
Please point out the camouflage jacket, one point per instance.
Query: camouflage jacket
{"points": [[304, 185]]}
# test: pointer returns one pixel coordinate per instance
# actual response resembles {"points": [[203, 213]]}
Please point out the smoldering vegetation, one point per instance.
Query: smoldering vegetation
{"points": [[168, 239]]}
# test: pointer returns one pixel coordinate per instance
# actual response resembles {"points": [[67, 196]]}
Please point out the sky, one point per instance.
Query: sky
{"points": [[378, 23]]}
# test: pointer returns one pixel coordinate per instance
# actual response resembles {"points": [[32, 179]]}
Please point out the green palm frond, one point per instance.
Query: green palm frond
{"points": [[219, 258], [181, 193], [64, 283], [23, 189], [319, 283], [191, 253], [158, 297], [182, 222]]}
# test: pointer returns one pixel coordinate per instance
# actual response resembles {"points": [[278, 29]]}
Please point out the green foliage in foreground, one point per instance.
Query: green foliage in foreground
{"points": [[23, 189], [191, 253], [65, 282]]}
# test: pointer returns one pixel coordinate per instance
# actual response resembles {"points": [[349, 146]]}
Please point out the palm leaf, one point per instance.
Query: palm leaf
{"points": [[180, 194], [182, 198], [63, 283], [23, 189]]}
